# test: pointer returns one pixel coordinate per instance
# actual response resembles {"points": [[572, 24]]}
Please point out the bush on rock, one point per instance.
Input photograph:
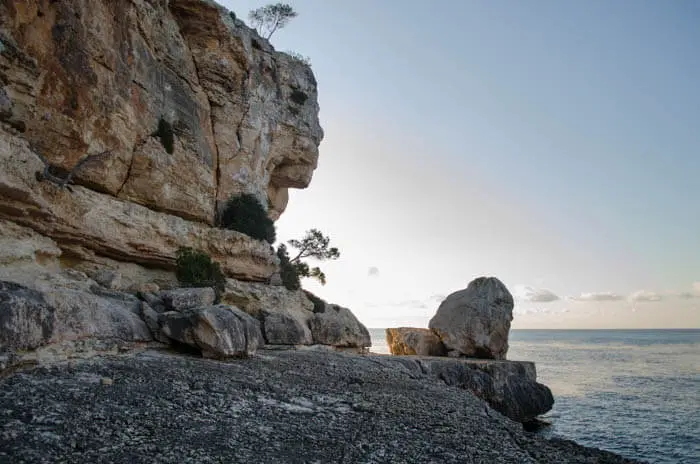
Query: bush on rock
{"points": [[196, 269], [245, 214]]}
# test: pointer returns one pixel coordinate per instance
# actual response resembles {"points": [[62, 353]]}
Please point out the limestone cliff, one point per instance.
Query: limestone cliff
{"points": [[85, 77]]}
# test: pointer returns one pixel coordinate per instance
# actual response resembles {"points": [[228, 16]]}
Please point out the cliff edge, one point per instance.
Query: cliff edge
{"points": [[159, 112]]}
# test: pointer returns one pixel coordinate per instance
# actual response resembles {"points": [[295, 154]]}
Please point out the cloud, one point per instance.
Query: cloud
{"points": [[539, 310], [645, 296], [693, 293], [599, 296], [373, 271], [536, 295]]}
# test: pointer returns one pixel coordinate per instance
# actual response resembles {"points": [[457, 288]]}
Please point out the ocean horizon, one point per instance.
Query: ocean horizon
{"points": [[635, 392]]}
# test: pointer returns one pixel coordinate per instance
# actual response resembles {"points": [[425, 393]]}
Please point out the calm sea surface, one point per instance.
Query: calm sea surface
{"points": [[634, 392]]}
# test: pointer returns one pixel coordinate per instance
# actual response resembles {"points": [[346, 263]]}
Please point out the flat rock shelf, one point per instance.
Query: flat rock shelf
{"points": [[296, 406]]}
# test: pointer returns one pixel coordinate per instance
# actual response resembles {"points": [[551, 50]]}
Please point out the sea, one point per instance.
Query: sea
{"points": [[633, 392]]}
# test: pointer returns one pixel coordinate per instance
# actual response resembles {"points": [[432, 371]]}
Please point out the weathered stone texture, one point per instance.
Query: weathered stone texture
{"points": [[475, 322], [85, 77], [410, 340]]}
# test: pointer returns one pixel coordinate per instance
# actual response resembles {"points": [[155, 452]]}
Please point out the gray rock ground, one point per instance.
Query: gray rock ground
{"points": [[277, 407]]}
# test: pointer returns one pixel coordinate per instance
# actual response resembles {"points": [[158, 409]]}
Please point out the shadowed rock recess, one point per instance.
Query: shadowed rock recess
{"points": [[124, 127]]}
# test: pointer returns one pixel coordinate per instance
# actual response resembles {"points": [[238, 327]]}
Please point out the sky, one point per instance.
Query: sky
{"points": [[554, 145]]}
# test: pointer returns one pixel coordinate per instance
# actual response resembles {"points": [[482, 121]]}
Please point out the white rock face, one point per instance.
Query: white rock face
{"points": [[475, 322]]}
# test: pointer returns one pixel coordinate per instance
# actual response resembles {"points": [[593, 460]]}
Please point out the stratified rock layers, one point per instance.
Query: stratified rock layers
{"points": [[82, 77]]}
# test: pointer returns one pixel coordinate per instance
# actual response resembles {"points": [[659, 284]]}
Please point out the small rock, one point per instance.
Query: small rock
{"points": [[150, 317], [107, 381], [181, 299], [363, 406], [108, 279], [149, 287], [410, 341]]}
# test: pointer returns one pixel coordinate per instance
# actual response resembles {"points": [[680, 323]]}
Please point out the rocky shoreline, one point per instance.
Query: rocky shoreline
{"points": [[279, 406], [125, 130]]}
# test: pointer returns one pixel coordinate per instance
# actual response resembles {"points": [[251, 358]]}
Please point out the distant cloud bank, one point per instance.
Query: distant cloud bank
{"points": [[643, 295], [536, 295], [599, 296]]}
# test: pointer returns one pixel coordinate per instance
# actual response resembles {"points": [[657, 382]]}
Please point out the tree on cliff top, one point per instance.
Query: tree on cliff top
{"points": [[267, 19], [313, 245]]}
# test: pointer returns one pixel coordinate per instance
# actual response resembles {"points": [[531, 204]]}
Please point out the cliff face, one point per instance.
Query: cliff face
{"points": [[84, 77]]}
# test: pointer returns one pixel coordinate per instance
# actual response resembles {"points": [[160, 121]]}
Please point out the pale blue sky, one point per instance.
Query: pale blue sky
{"points": [[552, 144]]}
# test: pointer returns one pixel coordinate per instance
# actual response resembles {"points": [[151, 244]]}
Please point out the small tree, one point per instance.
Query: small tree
{"points": [[313, 245], [267, 19], [288, 273]]}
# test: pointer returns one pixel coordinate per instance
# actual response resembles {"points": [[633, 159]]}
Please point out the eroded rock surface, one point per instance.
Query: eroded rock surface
{"points": [[510, 387], [338, 326], [58, 308], [93, 92], [291, 318], [283, 314], [475, 322], [180, 299], [277, 407], [83, 222], [411, 340], [217, 331], [87, 76]]}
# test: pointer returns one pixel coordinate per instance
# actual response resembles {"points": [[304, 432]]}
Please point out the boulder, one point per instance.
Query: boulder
{"points": [[283, 314], [180, 299], [26, 319], [281, 329], [218, 331], [410, 340], [63, 308], [338, 326], [151, 317], [509, 387], [475, 322]]}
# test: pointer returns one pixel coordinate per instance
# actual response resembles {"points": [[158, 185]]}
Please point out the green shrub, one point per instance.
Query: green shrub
{"points": [[166, 135], [196, 269], [288, 271], [319, 304], [245, 214], [298, 97]]}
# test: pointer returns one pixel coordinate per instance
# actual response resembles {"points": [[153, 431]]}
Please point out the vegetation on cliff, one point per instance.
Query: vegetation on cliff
{"points": [[269, 18], [313, 245], [166, 135], [245, 214], [196, 269]]}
